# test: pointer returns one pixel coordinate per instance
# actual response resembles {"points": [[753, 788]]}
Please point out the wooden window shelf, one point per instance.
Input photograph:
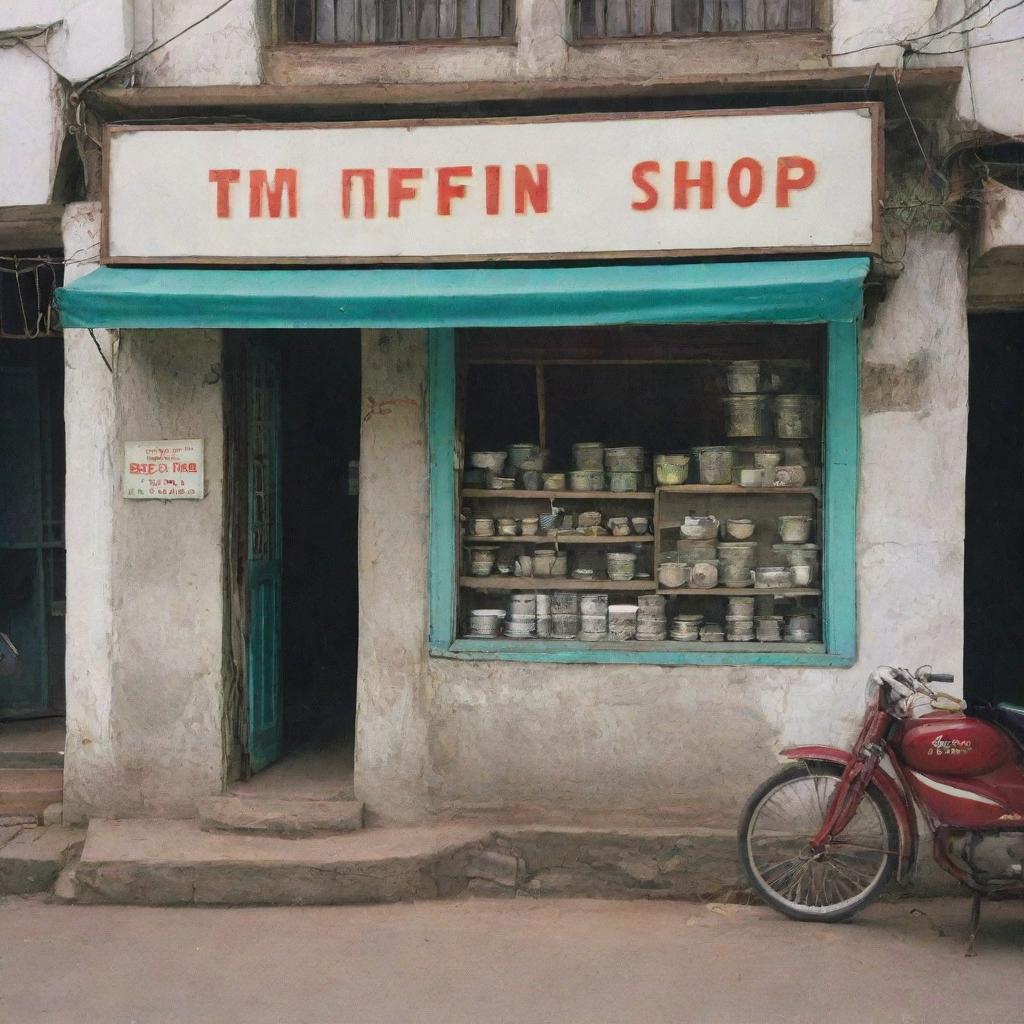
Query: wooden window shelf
{"points": [[486, 492], [740, 592], [552, 583], [562, 538]]}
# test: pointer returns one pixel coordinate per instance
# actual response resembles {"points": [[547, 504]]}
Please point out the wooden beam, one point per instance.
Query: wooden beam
{"points": [[31, 228], [282, 101]]}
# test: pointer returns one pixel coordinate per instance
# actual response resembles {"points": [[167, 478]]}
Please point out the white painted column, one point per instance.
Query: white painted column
{"points": [[91, 485], [393, 706], [145, 695]]}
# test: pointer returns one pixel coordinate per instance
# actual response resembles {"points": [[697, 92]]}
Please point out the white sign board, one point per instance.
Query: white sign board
{"points": [[541, 188], [165, 470]]}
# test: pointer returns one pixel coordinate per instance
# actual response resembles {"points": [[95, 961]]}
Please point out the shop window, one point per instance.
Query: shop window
{"points": [[650, 489], [342, 22], [615, 19]]}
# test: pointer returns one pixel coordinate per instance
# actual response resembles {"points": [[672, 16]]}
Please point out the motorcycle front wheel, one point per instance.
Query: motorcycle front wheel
{"points": [[774, 845]]}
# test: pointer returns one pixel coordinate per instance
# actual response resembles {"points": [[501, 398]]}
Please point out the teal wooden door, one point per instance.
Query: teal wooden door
{"points": [[263, 643]]}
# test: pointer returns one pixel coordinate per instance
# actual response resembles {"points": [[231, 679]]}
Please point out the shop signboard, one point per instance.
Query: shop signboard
{"points": [[163, 470], [584, 187]]}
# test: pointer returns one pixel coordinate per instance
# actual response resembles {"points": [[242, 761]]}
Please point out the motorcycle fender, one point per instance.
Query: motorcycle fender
{"points": [[906, 820]]}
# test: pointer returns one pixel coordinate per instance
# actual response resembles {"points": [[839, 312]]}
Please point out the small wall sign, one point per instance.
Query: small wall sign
{"points": [[164, 470]]}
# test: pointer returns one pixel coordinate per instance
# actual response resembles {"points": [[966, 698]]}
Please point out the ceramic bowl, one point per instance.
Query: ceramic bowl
{"points": [[699, 527], [494, 461], [740, 529]]}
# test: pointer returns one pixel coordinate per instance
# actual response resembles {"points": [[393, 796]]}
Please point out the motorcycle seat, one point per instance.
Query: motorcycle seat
{"points": [[1011, 718]]}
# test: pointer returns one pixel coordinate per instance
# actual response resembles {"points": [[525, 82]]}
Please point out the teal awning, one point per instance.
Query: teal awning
{"points": [[783, 291]]}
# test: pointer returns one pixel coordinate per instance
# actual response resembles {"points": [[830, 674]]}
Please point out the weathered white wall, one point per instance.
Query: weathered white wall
{"points": [[91, 486], [144, 578], [393, 764], [440, 736], [225, 49], [30, 129], [993, 70], [167, 696], [72, 38]]}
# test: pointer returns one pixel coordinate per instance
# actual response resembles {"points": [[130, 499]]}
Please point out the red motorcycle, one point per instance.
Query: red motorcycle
{"points": [[820, 839]]}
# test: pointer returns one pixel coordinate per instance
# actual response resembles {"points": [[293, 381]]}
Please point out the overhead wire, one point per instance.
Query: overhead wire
{"points": [[124, 65], [906, 42], [977, 28]]}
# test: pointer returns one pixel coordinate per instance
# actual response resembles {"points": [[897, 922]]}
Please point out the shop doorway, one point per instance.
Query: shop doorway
{"points": [[302, 398], [994, 542]]}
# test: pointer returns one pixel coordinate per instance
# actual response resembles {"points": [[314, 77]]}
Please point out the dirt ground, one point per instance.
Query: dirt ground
{"points": [[523, 961]]}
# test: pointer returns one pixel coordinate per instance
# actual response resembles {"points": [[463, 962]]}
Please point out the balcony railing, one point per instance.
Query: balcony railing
{"points": [[612, 19], [394, 21]]}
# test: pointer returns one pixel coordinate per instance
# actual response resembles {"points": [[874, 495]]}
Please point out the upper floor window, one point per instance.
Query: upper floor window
{"points": [[604, 19], [394, 21]]}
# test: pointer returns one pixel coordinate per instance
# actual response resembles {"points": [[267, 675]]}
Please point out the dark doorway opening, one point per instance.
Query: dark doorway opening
{"points": [[994, 540], [320, 593], [303, 428]]}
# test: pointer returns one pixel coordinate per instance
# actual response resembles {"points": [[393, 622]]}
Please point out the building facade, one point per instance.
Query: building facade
{"points": [[204, 636]]}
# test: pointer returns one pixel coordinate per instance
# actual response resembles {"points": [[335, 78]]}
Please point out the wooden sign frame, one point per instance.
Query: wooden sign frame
{"points": [[874, 110]]}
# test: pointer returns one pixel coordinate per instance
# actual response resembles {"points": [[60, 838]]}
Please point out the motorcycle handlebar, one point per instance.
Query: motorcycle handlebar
{"points": [[938, 677]]}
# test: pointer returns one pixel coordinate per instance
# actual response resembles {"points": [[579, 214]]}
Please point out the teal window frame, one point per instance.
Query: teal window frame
{"points": [[832, 308]]}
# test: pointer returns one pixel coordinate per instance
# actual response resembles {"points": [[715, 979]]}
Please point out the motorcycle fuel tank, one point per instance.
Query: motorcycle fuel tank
{"points": [[953, 744]]}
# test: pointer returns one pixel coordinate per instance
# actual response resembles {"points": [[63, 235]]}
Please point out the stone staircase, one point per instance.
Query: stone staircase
{"points": [[30, 781], [279, 817], [173, 863]]}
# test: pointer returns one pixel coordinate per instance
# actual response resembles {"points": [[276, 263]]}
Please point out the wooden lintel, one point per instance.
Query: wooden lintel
{"points": [[275, 101], [30, 228]]}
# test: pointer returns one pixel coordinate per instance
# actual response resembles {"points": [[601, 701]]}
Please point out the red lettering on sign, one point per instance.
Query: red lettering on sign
{"points": [[705, 181], [650, 192], [286, 179], [532, 187], [746, 195], [447, 189], [492, 189], [366, 176], [788, 181], [224, 178], [398, 191]]}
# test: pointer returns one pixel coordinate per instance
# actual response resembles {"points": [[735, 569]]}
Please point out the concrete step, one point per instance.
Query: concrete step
{"points": [[37, 759], [65, 888], [277, 817], [168, 863], [29, 790], [159, 862], [32, 857]]}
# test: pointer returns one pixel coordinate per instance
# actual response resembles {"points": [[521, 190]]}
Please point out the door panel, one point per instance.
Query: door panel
{"points": [[263, 643]]}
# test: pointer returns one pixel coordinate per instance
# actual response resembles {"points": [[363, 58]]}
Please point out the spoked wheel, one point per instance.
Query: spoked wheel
{"points": [[774, 839]]}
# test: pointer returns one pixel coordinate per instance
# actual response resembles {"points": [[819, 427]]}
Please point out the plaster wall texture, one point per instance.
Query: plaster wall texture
{"points": [[226, 49], [445, 737], [91, 488], [144, 578], [30, 129], [77, 38], [392, 765], [999, 234], [167, 692], [987, 45]]}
